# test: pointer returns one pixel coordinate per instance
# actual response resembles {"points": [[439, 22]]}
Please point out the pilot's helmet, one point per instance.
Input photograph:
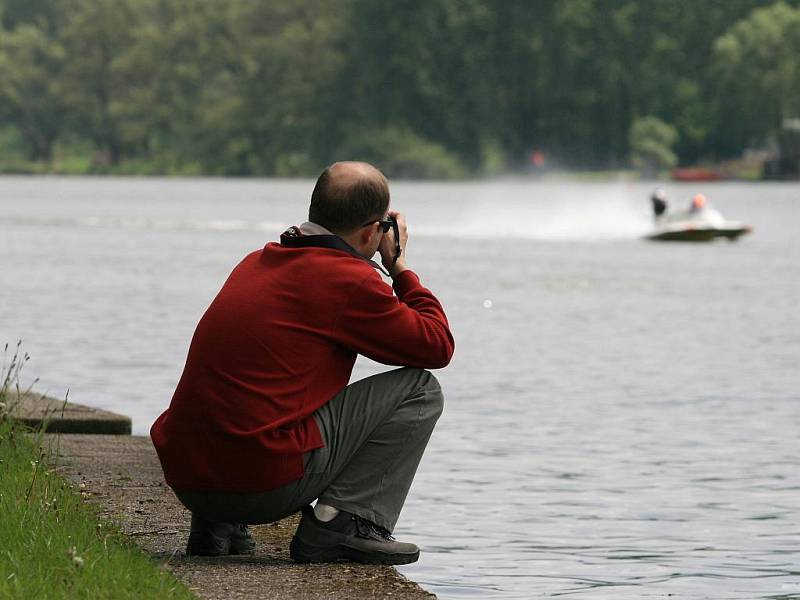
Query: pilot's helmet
{"points": [[699, 201]]}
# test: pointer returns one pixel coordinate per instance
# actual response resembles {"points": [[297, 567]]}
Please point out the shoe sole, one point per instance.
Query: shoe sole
{"points": [[303, 553], [205, 552]]}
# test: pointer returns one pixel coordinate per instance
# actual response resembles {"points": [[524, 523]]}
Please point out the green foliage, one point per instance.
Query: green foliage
{"points": [[12, 145], [472, 86], [99, 81], [493, 158], [31, 89], [757, 66], [399, 152], [42, 13], [268, 103], [651, 142]]}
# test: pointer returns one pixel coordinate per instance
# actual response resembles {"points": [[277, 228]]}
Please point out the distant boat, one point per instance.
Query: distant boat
{"points": [[699, 223], [696, 174]]}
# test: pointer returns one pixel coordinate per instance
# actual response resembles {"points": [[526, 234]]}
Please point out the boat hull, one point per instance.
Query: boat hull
{"points": [[697, 234]]}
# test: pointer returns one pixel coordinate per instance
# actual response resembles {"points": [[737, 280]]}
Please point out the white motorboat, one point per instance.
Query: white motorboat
{"points": [[700, 223]]}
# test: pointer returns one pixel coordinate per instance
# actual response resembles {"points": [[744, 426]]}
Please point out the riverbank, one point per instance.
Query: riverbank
{"points": [[83, 167], [86, 512], [92, 509]]}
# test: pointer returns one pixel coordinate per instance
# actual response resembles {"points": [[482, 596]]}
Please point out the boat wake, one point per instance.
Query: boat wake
{"points": [[554, 213], [564, 219]]}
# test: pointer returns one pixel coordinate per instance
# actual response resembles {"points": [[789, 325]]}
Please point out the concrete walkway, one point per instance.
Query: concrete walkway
{"points": [[122, 475]]}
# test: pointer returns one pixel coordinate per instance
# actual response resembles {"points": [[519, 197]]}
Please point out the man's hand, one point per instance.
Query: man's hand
{"points": [[387, 247]]}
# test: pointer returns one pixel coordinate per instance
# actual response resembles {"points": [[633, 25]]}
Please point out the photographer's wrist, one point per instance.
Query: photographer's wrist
{"points": [[397, 268]]}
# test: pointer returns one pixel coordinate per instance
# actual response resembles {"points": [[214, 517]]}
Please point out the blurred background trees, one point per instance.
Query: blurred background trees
{"points": [[433, 88], [651, 143], [757, 71]]}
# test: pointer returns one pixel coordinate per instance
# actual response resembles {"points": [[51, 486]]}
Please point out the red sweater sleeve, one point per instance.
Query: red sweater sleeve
{"points": [[409, 329]]}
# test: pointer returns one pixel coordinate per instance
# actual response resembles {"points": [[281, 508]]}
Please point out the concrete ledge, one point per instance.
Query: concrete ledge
{"points": [[64, 417]]}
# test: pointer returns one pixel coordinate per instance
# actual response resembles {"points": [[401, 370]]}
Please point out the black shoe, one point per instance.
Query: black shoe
{"points": [[207, 538], [347, 537], [241, 540]]}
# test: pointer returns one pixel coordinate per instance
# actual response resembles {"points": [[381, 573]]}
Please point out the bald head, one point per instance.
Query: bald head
{"points": [[348, 173], [347, 195]]}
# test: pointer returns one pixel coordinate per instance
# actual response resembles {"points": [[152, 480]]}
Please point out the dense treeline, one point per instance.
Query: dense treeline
{"points": [[421, 87]]}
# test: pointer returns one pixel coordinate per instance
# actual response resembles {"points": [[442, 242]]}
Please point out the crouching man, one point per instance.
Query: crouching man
{"points": [[263, 423]]}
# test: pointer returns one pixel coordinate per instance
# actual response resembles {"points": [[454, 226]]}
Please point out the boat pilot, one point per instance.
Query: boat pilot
{"points": [[659, 200]]}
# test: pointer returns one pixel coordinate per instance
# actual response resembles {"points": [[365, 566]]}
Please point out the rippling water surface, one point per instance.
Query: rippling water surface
{"points": [[622, 416]]}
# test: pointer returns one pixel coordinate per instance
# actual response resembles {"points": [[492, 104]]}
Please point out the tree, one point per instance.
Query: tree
{"points": [[426, 70], [96, 83], [283, 87], [174, 53], [757, 72], [44, 14], [31, 89], [651, 142], [271, 105], [399, 152]]}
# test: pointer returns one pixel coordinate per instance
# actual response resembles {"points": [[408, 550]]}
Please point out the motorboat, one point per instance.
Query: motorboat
{"points": [[699, 223]]}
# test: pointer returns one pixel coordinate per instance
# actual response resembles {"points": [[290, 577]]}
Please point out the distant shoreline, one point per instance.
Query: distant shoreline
{"points": [[577, 175]]}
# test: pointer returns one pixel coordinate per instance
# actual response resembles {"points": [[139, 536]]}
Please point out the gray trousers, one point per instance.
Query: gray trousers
{"points": [[375, 432]]}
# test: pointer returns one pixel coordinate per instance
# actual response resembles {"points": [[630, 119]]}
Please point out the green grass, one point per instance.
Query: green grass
{"points": [[52, 543]]}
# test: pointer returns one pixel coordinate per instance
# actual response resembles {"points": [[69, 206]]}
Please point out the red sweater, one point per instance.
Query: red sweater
{"points": [[279, 341]]}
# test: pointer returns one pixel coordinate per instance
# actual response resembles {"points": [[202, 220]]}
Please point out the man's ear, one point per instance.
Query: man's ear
{"points": [[366, 234]]}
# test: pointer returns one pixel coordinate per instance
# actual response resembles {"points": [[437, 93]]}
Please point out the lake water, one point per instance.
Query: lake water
{"points": [[622, 417]]}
